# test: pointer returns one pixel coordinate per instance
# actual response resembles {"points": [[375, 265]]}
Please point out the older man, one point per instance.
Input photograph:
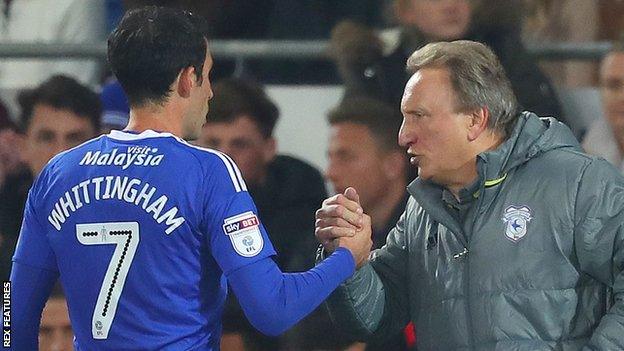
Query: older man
{"points": [[512, 239]]}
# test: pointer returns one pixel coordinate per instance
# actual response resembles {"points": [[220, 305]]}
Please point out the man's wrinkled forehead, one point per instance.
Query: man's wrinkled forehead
{"points": [[414, 80], [429, 77]]}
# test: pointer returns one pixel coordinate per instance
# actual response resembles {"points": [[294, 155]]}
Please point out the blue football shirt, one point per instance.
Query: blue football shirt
{"points": [[142, 228]]}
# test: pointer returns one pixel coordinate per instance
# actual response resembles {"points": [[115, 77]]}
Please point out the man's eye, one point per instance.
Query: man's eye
{"points": [[345, 157], [212, 143], [76, 138], [614, 84], [241, 145], [45, 136], [45, 331]]}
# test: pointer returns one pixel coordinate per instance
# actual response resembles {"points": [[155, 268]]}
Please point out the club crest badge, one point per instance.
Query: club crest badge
{"points": [[244, 233], [516, 220]]}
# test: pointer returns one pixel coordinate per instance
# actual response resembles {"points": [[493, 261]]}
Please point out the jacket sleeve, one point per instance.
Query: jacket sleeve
{"points": [[599, 237], [374, 302], [274, 301]]}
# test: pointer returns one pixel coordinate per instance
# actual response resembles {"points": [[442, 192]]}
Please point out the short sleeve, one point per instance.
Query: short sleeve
{"points": [[33, 246], [236, 236]]}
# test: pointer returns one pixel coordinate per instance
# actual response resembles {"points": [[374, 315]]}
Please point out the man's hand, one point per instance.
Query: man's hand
{"points": [[360, 244], [339, 216], [340, 222]]}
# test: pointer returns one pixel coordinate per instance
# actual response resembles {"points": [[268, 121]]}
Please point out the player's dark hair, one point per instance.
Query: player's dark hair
{"points": [[381, 119], [61, 92], [150, 47], [236, 97]]}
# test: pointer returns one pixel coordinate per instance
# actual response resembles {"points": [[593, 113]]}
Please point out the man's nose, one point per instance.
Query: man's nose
{"points": [[59, 146], [57, 341], [406, 135]]}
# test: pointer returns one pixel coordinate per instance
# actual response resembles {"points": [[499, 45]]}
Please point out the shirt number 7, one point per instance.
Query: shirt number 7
{"points": [[125, 237]]}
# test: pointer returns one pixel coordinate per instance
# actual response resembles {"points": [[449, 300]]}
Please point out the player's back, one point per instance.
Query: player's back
{"points": [[125, 216]]}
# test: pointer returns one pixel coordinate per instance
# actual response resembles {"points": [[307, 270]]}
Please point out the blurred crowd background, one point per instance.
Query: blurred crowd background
{"points": [[304, 126]]}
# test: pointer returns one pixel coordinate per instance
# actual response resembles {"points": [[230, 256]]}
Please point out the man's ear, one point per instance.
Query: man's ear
{"points": [[185, 81], [270, 149], [478, 121]]}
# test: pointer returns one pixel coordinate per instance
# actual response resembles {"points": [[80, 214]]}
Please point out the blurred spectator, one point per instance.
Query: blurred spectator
{"points": [[55, 331], [5, 118], [44, 21], [55, 116], [10, 142], [605, 137], [10, 161], [611, 19], [115, 108], [10, 157], [563, 21], [363, 153], [375, 67], [287, 191]]}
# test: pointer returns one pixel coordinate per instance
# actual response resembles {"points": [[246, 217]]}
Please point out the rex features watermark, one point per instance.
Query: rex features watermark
{"points": [[6, 314]]}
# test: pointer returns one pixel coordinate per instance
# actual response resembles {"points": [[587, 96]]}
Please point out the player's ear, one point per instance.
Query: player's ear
{"points": [[185, 82]]}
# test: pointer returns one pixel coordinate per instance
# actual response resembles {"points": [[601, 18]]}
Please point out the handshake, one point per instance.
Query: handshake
{"points": [[341, 222]]}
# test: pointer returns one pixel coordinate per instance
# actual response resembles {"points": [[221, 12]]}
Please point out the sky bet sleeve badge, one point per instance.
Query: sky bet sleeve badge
{"points": [[244, 233], [516, 219]]}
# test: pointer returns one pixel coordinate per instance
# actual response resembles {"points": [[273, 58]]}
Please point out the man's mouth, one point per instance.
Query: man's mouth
{"points": [[414, 158]]}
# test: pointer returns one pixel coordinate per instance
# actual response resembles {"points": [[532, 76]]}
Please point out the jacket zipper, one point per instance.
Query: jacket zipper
{"points": [[475, 216], [468, 297]]}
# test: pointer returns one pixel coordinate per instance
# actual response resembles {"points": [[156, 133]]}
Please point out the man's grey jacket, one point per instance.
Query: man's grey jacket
{"points": [[537, 264]]}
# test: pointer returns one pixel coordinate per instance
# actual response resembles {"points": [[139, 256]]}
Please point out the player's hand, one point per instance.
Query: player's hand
{"points": [[360, 244], [340, 216]]}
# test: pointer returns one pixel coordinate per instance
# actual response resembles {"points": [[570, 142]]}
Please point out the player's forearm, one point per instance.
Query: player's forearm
{"points": [[274, 301], [31, 287]]}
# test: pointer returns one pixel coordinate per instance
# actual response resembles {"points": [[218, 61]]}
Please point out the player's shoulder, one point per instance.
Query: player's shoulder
{"points": [[75, 151], [218, 165], [205, 155], [185, 151], [213, 164], [59, 165]]}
